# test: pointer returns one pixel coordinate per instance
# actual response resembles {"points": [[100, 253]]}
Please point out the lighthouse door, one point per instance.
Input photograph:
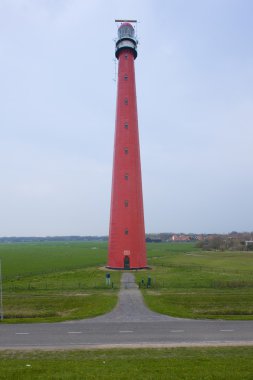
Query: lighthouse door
{"points": [[126, 262]]}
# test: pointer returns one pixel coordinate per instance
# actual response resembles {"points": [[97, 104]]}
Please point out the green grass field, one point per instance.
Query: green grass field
{"points": [[188, 282], [62, 281], [59, 281], [25, 259], [172, 364], [51, 282]]}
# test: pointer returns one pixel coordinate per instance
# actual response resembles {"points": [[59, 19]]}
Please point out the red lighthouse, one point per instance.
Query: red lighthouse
{"points": [[127, 249]]}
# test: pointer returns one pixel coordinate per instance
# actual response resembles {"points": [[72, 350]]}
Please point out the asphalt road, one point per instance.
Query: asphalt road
{"points": [[130, 324]]}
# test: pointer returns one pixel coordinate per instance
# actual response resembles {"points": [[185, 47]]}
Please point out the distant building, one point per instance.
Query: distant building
{"points": [[181, 238]]}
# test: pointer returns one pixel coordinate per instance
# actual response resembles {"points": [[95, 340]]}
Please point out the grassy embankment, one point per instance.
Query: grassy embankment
{"points": [[50, 282], [188, 282], [172, 364]]}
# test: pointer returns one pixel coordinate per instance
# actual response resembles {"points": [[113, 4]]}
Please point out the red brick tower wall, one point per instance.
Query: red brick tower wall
{"points": [[127, 247]]}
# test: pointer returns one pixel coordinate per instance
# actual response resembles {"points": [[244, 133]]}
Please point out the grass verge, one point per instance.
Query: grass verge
{"points": [[53, 307], [53, 282], [177, 364], [188, 282]]}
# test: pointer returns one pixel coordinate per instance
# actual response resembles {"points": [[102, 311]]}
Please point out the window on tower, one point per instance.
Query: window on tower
{"points": [[126, 150], [126, 125], [126, 176], [126, 77], [126, 203], [126, 231], [126, 56], [126, 101]]}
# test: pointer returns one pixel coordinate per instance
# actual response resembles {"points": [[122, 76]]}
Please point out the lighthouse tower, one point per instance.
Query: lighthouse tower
{"points": [[127, 249]]}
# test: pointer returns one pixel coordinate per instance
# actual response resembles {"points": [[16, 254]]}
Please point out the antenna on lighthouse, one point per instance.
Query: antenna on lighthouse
{"points": [[132, 21]]}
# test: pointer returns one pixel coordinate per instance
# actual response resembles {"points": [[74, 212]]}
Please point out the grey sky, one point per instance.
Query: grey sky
{"points": [[57, 110]]}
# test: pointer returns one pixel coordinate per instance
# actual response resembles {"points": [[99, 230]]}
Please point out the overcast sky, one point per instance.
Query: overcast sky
{"points": [[194, 75]]}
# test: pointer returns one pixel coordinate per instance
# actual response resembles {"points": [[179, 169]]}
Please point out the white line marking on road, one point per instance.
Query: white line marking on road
{"points": [[126, 331], [74, 332], [22, 333], [227, 330], [175, 331]]}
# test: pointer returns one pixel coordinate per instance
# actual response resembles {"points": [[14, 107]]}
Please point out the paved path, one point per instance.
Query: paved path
{"points": [[130, 324], [130, 307]]}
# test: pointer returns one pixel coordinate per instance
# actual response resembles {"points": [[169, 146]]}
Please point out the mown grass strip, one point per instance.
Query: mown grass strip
{"points": [[59, 307], [231, 363]]}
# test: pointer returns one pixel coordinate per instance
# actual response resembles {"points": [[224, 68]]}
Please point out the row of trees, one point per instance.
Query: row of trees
{"points": [[223, 243]]}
